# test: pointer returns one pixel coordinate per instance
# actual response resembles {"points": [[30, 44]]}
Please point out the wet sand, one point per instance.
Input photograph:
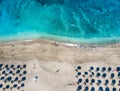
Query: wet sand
{"points": [[54, 63]]}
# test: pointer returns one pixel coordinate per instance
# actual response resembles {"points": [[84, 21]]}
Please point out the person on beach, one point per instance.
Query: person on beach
{"points": [[35, 78]]}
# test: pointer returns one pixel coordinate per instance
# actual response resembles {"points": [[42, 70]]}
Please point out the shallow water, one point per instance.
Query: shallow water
{"points": [[79, 19]]}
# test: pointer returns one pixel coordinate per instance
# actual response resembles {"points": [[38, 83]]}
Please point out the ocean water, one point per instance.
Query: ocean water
{"points": [[90, 21]]}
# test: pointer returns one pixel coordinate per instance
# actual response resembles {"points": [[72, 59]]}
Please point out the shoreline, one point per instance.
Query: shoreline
{"points": [[61, 39], [64, 43]]}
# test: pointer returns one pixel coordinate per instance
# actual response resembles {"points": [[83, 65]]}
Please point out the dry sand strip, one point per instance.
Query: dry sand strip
{"points": [[46, 50], [55, 64]]}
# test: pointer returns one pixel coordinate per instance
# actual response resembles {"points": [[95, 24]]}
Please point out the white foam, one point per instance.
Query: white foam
{"points": [[67, 44], [28, 40]]}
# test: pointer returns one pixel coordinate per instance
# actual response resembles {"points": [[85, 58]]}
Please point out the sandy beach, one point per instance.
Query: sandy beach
{"points": [[54, 63], [59, 45]]}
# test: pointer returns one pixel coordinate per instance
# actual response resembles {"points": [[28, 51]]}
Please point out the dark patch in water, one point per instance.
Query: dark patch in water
{"points": [[49, 2]]}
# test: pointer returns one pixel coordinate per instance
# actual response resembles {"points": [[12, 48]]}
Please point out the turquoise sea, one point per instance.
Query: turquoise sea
{"points": [[87, 21]]}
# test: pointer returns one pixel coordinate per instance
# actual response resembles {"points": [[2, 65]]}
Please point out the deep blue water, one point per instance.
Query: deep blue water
{"points": [[73, 19]]}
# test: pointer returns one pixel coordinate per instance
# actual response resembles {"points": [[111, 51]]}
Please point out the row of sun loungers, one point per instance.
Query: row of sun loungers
{"points": [[12, 76], [98, 79]]}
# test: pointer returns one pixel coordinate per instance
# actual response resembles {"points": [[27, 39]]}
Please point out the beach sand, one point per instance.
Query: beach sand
{"points": [[54, 63]]}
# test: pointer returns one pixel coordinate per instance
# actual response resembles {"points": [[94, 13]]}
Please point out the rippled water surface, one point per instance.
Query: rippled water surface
{"points": [[78, 19]]}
